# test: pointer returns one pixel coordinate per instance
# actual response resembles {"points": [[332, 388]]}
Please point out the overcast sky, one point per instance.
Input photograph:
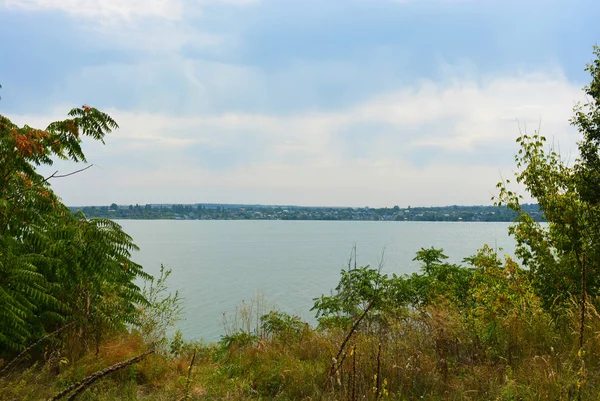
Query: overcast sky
{"points": [[328, 102]]}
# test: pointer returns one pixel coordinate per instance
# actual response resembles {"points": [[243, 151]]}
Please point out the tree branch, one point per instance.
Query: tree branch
{"points": [[54, 175]]}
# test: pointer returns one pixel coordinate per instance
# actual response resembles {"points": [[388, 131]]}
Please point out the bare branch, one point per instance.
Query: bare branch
{"points": [[55, 174]]}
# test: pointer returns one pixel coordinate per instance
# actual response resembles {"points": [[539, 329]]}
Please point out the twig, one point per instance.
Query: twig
{"points": [[352, 256], [26, 350], [85, 383], [54, 175]]}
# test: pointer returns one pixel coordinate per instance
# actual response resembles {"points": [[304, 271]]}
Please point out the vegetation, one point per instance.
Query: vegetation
{"points": [[418, 337], [489, 329]]}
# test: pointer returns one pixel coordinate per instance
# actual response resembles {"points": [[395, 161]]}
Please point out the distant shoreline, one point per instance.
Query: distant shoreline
{"points": [[302, 213]]}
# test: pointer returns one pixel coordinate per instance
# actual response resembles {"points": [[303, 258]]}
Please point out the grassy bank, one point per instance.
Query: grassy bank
{"points": [[431, 357]]}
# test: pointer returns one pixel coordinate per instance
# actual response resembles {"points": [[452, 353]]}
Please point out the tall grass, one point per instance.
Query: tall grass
{"points": [[435, 353]]}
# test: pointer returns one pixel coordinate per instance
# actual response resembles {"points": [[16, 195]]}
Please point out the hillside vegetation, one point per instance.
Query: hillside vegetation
{"points": [[74, 324]]}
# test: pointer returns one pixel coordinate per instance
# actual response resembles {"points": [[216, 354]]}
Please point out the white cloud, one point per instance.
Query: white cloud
{"points": [[158, 38], [429, 144], [110, 12], [150, 32], [233, 2], [105, 10]]}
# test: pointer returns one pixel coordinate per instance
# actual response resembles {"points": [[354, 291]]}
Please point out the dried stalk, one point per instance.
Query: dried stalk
{"points": [[188, 382], [353, 397], [378, 374]]}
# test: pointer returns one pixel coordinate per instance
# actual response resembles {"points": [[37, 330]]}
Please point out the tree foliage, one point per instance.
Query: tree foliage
{"points": [[359, 287], [566, 251], [57, 267], [563, 256]]}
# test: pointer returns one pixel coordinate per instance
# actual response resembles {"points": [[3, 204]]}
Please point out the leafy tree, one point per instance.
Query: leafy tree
{"points": [[363, 287], [439, 278], [563, 256], [357, 289], [57, 267]]}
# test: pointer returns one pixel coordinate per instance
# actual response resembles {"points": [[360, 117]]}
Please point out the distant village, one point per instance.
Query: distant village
{"points": [[206, 211]]}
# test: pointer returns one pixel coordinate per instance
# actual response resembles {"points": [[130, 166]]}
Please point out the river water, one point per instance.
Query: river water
{"points": [[218, 264]]}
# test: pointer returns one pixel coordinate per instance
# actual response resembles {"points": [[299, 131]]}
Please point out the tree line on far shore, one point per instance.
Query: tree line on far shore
{"points": [[267, 212]]}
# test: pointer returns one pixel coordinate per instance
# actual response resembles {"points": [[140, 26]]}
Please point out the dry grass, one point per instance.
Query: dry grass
{"points": [[432, 354]]}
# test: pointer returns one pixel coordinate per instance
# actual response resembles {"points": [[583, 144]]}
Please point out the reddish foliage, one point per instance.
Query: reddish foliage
{"points": [[24, 145], [72, 128], [28, 144], [25, 178]]}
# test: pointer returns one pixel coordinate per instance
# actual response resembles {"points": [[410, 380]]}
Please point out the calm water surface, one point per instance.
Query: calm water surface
{"points": [[218, 264]]}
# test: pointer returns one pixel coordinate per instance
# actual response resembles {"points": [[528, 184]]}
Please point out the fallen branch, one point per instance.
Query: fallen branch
{"points": [[80, 386]]}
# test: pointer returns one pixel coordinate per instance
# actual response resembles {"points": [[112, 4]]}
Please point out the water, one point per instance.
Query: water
{"points": [[218, 264]]}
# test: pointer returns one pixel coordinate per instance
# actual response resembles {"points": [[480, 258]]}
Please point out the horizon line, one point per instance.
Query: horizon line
{"points": [[290, 205]]}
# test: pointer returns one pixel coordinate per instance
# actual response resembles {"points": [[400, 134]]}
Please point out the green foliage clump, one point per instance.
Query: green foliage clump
{"points": [[281, 324], [160, 311], [363, 287]]}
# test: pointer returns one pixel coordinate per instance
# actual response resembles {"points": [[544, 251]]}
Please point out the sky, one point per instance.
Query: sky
{"points": [[304, 102]]}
